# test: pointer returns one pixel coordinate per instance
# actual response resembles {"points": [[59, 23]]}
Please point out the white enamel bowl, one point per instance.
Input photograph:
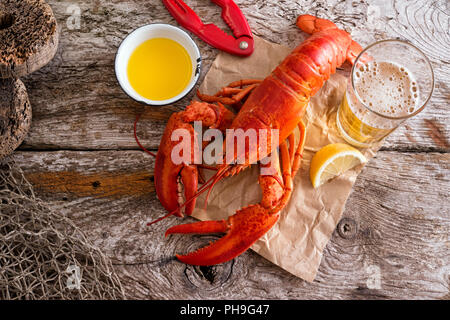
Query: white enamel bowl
{"points": [[147, 32]]}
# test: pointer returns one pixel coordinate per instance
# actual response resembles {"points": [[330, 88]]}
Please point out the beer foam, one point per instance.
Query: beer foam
{"points": [[387, 88]]}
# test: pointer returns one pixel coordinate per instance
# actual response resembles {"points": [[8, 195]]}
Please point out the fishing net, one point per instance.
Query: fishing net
{"points": [[43, 255]]}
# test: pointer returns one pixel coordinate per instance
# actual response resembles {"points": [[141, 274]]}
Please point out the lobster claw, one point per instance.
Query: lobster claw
{"points": [[167, 173], [242, 230]]}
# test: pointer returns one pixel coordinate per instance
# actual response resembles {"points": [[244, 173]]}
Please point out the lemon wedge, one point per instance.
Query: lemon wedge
{"points": [[333, 160]]}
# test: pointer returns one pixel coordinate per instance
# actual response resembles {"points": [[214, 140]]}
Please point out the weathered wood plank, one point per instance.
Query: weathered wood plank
{"points": [[394, 239], [393, 243], [78, 105]]}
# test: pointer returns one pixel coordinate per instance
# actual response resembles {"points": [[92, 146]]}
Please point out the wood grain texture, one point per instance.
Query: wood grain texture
{"points": [[401, 230], [78, 104], [393, 242]]}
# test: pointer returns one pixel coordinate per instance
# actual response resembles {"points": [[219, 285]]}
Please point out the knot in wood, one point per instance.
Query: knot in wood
{"points": [[208, 272], [205, 277], [96, 184], [6, 20], [347, 228], [209, 277]]}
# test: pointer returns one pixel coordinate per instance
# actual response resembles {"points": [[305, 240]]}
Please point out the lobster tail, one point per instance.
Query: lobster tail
{"points": [[311, 24]]}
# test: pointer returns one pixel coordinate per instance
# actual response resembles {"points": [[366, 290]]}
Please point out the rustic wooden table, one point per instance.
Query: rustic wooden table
{"points": [[393, 241]]}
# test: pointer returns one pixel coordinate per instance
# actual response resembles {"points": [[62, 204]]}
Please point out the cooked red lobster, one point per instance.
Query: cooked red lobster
{"points": [[277, 102]]}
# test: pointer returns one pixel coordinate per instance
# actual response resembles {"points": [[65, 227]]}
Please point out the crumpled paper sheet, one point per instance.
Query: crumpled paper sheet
{"points": [[297, 241]]}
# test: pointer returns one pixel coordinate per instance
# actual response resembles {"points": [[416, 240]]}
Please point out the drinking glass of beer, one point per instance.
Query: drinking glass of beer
{"points": [[391, 81]]}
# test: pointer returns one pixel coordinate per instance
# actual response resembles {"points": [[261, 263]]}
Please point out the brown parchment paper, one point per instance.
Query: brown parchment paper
{"points": [[297, 241]]}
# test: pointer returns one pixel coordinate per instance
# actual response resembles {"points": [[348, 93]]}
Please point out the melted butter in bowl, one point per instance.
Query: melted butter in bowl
{"points": [[159, 69], [158, 64]]}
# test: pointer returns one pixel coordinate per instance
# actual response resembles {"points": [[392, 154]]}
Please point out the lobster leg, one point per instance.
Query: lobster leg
{"points": [[247, 225], [289, 171], [291, 140], [299, 152], [231, 94]]}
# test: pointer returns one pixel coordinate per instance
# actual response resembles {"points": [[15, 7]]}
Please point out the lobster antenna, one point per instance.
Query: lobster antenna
{"points": [[136, 137], [162, 218], [218, 176], [201, 190]]}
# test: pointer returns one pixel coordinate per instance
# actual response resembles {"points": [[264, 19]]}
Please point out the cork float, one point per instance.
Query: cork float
{"points": [[15, 115], [28, 37], [28, 41]]}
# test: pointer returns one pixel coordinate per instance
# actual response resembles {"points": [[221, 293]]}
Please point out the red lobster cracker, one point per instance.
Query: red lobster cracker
{"points": [[242, 42], [278, 102]]}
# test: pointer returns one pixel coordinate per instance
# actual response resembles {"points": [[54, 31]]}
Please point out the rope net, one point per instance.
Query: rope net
{"points": [[43, 255]]}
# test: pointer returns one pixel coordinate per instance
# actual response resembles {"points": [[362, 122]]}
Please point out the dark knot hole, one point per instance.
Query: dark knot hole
{"points": [[6, 21]]}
